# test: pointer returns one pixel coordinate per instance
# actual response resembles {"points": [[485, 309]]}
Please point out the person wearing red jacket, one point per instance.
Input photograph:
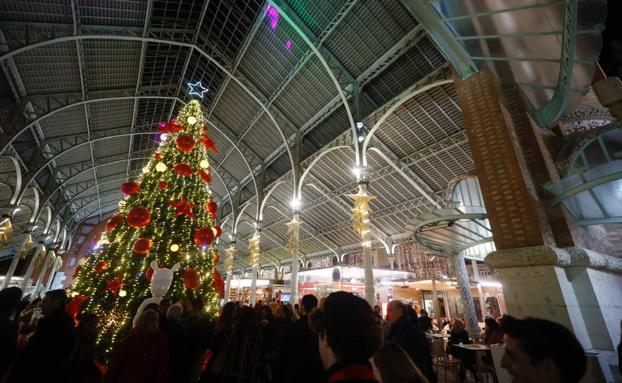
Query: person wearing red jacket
{"points": [[142, 357]]}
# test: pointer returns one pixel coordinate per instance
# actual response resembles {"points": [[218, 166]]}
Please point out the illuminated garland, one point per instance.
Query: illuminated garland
{"points": [[172, 235]]}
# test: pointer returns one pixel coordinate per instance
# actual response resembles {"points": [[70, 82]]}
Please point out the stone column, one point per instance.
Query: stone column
{"points": [[26, 246], [46, 263], [293, 243], [25, 283], [476, 279], [437, 310], [446, 304], [541, 259], [253, 250], [464, 285], [230, 253]]}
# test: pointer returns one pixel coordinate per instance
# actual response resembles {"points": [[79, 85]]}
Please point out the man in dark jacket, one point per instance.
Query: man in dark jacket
{"points": [[50, 345], [298, 358], [412, 340]]}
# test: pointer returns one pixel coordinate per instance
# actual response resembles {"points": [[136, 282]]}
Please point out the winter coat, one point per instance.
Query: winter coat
{"points": [[142, 357], [413, 341]]}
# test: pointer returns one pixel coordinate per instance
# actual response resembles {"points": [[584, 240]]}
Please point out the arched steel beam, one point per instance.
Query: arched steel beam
{"points": [[18, 177], [103, 208], [400, 100], [419, 186], [68, 180], [77, 196], [238, 80], [46, 162], [268, 194], [212, 124], [240, 214], [315, 161], [330, 73], [10, 136]]}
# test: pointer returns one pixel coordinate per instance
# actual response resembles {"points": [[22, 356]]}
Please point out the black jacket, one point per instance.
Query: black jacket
{"points": [[49, 348], [413, 341], [298, 357]]}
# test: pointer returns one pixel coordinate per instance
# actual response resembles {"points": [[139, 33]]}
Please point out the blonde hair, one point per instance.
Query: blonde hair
{"points": [[395, 366]]}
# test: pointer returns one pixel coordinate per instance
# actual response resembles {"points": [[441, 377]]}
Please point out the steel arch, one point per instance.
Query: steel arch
{"points": [[160, 41]]}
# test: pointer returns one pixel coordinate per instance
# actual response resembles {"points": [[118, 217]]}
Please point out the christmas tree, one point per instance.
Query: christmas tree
{"points": [[168, 216]]}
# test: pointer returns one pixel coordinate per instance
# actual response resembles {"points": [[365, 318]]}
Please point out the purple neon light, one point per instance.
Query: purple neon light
{"points": [[288, 45], [273, 17]]}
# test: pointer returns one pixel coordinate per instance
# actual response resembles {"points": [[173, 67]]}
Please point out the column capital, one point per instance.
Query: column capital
{"points": [[553, 256], [609, 90]]}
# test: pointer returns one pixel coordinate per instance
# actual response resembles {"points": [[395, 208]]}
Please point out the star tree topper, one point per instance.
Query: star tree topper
{"points": [[183, 207], [197, 89]]}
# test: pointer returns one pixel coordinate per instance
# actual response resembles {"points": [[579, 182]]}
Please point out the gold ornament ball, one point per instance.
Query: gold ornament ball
{"points": [[174, 247], [122, 293], [192, 120], [204, 164], [161, 167]]}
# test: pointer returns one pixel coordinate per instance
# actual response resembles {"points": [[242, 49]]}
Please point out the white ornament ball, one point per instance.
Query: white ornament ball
{"points": [[192, 120], [161, 167], [204, 164]]}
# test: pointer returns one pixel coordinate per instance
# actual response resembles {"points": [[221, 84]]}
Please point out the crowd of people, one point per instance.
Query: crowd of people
{"points": [[339, 339]]}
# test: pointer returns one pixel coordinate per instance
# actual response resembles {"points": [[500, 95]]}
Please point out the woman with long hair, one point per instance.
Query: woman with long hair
{"points": [[393, 365]]}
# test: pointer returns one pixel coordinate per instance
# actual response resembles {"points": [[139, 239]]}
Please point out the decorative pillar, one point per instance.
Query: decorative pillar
{"points": [[293, 244], [253, 250], [26, 282], [53, 269], [541, 257], [437, 310], [6, 229], [44, 267], [230, 253], [464, 285], [360, 222], [446, 304], [476, 279], [22, 252]]}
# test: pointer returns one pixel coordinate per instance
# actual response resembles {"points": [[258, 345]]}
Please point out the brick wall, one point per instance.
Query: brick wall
{"points": [[511, 204]]}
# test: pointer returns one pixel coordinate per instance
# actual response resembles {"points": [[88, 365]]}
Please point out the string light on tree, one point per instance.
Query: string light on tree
{"points": [[167, 219]]}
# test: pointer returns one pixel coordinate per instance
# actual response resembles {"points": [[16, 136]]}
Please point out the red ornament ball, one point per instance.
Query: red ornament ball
{"points": [[219, 283], [211, 207], [192, 279], [183, 169], [142, 246], [184, 143], [138, 217], [203, 236], [130, 188], [101, 266], [158, 156], [216, 256], [217, 231], [163, 185], [114, 222], [205, 177]]}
